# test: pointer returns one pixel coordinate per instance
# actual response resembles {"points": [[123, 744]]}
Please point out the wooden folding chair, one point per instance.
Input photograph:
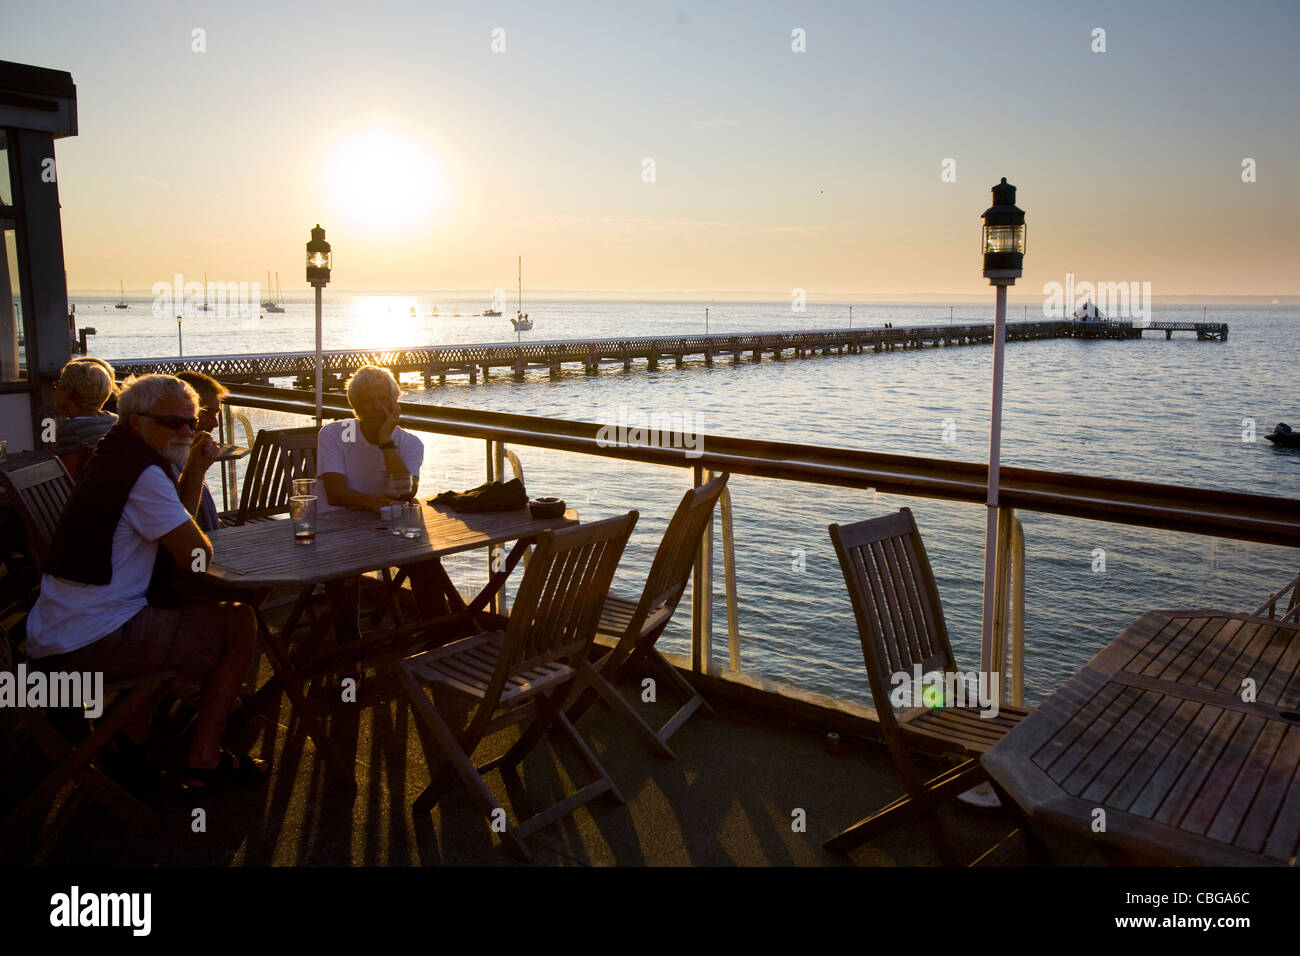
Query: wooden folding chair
{"points": [[278, 457], [523, 673], [638, 624], [39, 494], [900, 624], [74, 754]]}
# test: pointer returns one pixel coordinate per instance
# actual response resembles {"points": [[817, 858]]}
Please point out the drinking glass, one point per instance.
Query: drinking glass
{"points": [[412, 519], [302, 508], [392, 516], [400, 486], [304, 487]]}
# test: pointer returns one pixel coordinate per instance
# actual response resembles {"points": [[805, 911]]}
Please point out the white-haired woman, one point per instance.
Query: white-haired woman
{"points": [[355, 459], [79, 396]]}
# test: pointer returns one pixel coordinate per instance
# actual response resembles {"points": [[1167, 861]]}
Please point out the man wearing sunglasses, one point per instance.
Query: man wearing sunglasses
{"points": [[104, 604]]}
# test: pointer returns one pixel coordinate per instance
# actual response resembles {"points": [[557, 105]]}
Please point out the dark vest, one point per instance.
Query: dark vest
{"points": [[82, 549]]}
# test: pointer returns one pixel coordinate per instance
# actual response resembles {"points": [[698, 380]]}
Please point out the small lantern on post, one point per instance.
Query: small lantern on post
{"points": [[1003, 246], [319, 262], [1004, 237], [320, 259]]}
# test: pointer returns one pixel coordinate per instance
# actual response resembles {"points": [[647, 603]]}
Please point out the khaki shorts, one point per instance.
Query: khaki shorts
{"points": [[188, 639]]}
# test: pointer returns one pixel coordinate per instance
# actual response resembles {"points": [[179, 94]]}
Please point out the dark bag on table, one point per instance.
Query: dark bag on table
{"points": [[491, 496]]}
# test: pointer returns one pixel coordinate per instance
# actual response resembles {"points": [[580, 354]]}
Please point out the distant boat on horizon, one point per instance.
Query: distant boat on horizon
{"points": [[121, 303], [275, 304], [491, 311], [521, 321]]}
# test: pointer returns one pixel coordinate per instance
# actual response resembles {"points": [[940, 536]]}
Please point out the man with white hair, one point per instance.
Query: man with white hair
{"points": [[355, 459], [104, 606]]}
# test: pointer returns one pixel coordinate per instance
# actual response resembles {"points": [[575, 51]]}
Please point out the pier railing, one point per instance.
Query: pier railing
{"points": [[1260, 519]]}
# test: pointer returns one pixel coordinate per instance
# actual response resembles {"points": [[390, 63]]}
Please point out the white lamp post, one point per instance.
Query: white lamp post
{"points": [[1004, 256], [319, 262]]}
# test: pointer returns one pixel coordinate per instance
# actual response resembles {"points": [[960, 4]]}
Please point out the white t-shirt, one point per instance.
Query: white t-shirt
{"points": [[69, 614], [360, 463]]}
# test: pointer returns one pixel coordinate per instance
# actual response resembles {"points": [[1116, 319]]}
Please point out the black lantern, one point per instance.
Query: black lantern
{"points": [[1004, 237], [320, 260]]}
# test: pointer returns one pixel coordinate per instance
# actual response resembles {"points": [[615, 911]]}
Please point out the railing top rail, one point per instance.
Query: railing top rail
{"points": [[1248, 517]]}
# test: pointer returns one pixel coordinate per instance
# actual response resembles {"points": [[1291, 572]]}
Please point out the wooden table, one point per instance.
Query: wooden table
{"points": [[253, 558], [1155, 732]]}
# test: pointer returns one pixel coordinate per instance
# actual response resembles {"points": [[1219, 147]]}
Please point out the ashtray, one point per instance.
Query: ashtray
{"points": [[546, 507]]}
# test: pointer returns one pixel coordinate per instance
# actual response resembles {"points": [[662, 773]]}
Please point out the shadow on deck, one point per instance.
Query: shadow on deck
{"points": [[728, 799]]}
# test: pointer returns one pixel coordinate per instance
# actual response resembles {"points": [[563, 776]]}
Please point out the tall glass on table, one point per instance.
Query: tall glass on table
{"points": [[302, 511], [400, 489]]}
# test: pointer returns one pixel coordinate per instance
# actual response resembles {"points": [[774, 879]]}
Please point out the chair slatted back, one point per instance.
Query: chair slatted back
{"points": [[278, 457], [675, 558], [891, 584], [560, 598], [39, 493]]}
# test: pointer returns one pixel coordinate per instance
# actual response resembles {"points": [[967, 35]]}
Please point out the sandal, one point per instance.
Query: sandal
{"points": [[225, 775]]}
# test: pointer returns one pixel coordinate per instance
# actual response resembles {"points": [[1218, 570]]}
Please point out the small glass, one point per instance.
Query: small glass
{"points": [[302, 508], [400, 486], [412, 519], [4, 445], [391, 515], [304, 487]]}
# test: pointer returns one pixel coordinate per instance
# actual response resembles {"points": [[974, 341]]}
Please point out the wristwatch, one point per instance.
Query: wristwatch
{"points": [[387, 444]]}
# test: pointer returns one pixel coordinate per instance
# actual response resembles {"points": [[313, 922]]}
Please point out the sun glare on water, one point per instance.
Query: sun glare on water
{"points": [[383, 181], [387, 322]]}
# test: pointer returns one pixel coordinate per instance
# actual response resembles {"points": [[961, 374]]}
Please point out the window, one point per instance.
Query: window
{"points": [[13, 344]]}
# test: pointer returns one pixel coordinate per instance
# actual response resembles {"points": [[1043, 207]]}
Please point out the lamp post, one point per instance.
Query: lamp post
{"points": [[706, 320], [180, 344], [319, 262], [1003, 243]]}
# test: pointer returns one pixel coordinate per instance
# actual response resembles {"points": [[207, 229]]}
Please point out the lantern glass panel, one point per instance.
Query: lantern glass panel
{"points": [[1004, 239]]}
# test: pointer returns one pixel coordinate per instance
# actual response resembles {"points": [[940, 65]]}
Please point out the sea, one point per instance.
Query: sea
{"points": [[1179, 411]]}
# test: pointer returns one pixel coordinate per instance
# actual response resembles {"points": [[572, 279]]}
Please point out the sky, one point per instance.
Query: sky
{"points": [[675, 146]]}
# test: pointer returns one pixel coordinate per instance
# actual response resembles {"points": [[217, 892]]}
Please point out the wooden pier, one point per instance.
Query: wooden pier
{"points": [[591, 355]]}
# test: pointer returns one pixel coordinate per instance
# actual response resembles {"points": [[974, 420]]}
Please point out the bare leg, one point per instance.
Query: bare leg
{"points": [[223, 683]]}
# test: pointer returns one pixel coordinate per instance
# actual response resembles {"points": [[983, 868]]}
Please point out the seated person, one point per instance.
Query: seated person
{"points": [[210, 393], [79, 396], [355, 459], [99, 608]]}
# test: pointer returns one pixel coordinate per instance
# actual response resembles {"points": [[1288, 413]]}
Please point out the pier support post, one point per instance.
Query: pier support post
{"points": [[708, 358]]}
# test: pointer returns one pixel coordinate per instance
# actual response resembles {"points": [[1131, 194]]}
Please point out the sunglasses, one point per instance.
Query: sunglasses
{"points": [[174, 422]]}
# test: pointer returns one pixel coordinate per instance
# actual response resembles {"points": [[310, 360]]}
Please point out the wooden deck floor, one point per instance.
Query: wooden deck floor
{"points": [[728, 799]]}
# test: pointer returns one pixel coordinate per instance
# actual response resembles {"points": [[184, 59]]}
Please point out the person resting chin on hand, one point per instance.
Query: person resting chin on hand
{"points": [[356, 459]]}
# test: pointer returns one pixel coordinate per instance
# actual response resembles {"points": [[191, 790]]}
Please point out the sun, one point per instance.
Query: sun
{"points": [[383, 180]]}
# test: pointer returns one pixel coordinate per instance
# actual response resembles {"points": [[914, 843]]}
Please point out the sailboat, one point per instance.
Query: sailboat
{"points": [[521, 321], [491, 309], [276, 304], [205, 307], [268, 301], [121, 303]]}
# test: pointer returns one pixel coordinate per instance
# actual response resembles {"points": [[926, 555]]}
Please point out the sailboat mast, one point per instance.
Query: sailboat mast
{"points": [[519, 302]]}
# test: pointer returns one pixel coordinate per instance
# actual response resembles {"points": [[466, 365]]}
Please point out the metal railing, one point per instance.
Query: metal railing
{"points": [[1255, 518]]}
